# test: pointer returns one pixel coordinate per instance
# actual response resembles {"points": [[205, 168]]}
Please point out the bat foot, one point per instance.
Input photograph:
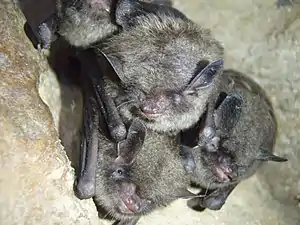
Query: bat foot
{"points": [[132, 221], [216, 199], [84, 188], [42, 51], [212, 203], [194, 204]]}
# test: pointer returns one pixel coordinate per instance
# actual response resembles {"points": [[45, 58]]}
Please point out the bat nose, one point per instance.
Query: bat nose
{"points": [[149, 108], [132, 205], [131, 201]]}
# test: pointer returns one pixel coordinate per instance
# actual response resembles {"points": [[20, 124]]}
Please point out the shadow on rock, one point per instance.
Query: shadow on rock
{"points": [[67, 68], [62, 60]]}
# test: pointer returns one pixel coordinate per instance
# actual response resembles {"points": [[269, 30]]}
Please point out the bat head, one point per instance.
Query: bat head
{"points": [[170, 68]]}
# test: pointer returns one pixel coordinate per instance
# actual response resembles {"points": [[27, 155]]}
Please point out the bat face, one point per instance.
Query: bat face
{"points": [[166, 110], [213, 169], [248, 124], [131, 190], [125, 200], [221, 164], [171, 110], [170, 67]]}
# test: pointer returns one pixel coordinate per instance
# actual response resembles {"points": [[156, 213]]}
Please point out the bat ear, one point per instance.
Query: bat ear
{"points": [[115, 63], [228, 113], [127, 11], [266, 155], [205, 77], [130, 147]]}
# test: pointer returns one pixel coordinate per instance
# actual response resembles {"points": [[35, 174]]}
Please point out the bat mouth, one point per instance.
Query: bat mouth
{"points": [[125, 208], [151, 115], [147, 117], [152, 108], [130, 202], [224, 175]]}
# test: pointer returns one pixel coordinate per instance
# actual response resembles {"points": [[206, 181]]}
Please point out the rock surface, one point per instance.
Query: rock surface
{"points": [[36, 177]]}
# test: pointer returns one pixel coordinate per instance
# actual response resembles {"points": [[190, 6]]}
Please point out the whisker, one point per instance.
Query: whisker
{"points": [[144, 126], [206, 191], [109, 213], [192, 196], [123, 103], [104, 217]]}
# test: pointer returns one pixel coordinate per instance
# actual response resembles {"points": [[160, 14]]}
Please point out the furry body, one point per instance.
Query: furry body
{"points": [[169, 81], [246, 146], [165, 51], [130, 185], [81, 22]]}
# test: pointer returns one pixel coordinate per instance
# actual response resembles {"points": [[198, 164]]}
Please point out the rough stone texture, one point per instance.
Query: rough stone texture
{"points": [[36, 177]]}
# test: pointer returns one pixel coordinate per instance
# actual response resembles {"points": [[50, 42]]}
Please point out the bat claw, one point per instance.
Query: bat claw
{"points": [[42, 51]]}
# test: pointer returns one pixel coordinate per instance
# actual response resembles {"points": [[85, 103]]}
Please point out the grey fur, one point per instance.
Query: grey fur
{"points": [[156, 171], [151, 162], [164, 52], [247, 146], [81, 22], [175, 52], [84, 22], [156, 56], [146, 179]]}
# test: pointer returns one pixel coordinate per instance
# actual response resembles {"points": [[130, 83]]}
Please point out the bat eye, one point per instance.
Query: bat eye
{"points": [[141, 96], [119, 173], [176, 99], [150, 108]]}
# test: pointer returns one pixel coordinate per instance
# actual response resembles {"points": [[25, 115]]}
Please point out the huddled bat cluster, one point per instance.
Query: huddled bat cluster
{"points": [[132, 177], [160, 111]]}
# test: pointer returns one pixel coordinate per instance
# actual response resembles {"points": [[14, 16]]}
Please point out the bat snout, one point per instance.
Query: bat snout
{"points": [[130, 201], [132, 204], [150, 109]]}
